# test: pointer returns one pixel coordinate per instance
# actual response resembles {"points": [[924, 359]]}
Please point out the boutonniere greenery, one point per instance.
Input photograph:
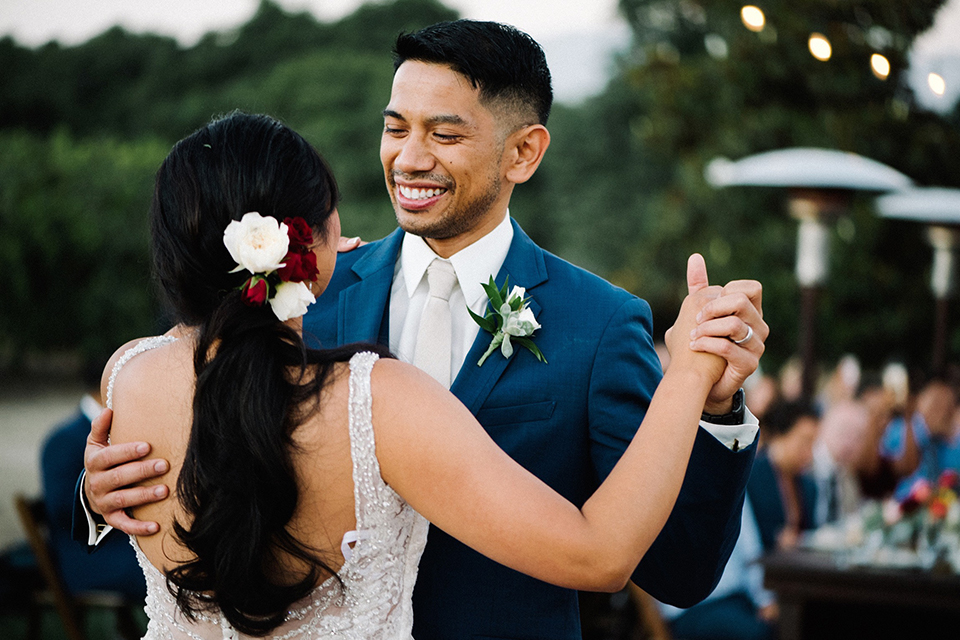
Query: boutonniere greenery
{"points": [[510, 320]]}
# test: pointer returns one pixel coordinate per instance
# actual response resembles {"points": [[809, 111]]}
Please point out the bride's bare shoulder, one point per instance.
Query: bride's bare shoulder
{"points": [[152, 368]]}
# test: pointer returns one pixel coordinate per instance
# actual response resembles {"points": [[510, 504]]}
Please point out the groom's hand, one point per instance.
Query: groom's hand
{"points": [[112, 469], [736, 315]]}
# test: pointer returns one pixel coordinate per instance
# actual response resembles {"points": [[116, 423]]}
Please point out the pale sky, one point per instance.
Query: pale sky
{"points": [[34, 22], [577, 35]]}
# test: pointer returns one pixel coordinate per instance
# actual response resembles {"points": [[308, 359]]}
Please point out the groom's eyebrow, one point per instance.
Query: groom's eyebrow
{"points": [[442, 118]]}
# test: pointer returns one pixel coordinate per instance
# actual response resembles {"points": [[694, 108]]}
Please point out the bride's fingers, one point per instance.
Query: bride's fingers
{"points": [[696, 273]]}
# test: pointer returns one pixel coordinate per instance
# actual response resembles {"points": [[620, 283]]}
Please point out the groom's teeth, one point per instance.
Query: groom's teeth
{"points": [[419, 194]]}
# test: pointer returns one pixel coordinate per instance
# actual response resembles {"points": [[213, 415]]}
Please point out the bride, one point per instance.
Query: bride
{"points": [[306, 479]]}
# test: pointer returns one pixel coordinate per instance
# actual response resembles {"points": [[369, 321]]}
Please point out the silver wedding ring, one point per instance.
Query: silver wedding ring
{"points": [[746, 337]]}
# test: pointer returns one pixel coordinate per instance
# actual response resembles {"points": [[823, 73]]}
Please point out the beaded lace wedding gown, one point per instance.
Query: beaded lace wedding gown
{"points": [[378, 574]]}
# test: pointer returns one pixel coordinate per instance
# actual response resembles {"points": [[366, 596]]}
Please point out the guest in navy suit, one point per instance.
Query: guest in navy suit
{"points": [[464, 125], [781, 491], [115, 567]]}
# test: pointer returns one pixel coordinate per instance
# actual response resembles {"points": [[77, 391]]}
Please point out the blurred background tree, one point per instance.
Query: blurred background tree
{"points": [[626, 170], [621, 191]]}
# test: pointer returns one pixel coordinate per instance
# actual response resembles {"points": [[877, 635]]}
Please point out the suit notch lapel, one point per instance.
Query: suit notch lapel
{"points": [[363, 305], [524, 266]]}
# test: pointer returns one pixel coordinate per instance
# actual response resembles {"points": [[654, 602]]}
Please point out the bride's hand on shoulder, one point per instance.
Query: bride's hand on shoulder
{"points": [[686, 351]]}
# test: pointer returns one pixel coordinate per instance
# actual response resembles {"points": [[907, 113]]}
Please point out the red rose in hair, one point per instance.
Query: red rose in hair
{"points": [[255, 292], [299, 267], [301, 235]]}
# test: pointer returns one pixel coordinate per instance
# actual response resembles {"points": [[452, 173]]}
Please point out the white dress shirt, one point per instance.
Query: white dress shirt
{"points": [[473, 265]]}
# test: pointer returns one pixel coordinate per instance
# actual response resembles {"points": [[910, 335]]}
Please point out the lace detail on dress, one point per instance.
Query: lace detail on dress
{"points": [[144, 345], [375, 600]]}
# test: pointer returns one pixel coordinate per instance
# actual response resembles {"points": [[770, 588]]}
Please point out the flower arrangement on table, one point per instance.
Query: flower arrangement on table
{"points": [[927, 521]]}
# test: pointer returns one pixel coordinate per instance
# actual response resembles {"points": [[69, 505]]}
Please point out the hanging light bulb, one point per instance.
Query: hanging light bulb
{"points": [[880, 66], [936, 83], [820, 47], [753, 18]]}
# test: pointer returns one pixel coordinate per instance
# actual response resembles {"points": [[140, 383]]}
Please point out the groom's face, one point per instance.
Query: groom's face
{"points": [[442, 155]]}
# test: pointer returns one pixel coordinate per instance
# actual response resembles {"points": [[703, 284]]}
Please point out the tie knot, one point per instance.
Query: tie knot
{"points": [[441, 279]]}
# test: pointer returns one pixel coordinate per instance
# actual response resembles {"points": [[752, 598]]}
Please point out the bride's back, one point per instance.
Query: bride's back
{"points": [[152, 401], [244, 230]]}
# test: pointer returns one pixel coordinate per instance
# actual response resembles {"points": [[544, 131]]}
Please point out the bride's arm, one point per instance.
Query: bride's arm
{"points": [[433, 452]]}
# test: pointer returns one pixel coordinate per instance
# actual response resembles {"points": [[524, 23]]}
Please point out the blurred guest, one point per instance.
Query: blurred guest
{"points": [[842, 384], [878, 471], [739, 607], [836, 453], [115, 565], [933, 432], [761, 392], [781, 494], [791, 380]]}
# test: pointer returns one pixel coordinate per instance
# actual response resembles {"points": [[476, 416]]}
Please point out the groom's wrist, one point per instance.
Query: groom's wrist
{"points": [[729, 413]]}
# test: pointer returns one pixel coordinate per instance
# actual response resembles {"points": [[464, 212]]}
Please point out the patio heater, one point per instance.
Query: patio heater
{"points": [[939, 209], [820, 184]]}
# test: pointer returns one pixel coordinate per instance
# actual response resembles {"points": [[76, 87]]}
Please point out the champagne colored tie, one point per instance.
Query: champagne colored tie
{"points": [[432, 352]]}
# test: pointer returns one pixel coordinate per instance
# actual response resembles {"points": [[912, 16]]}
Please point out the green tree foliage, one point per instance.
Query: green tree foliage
{"points": [[83, 129], [73, 246], [625, 174]]}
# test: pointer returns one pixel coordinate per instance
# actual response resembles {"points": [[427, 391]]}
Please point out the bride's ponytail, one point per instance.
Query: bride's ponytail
{"points": [[238, 485]]}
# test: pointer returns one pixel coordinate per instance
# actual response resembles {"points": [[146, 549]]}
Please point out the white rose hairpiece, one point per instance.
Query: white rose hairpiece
{"points": [[280, 259], [510, 320]]}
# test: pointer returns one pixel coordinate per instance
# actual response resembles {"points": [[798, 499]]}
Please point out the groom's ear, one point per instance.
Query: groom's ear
{"points": [[523, 151]]}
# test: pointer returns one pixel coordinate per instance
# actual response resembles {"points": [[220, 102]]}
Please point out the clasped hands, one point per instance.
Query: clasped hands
{"points": [[728, 324]]}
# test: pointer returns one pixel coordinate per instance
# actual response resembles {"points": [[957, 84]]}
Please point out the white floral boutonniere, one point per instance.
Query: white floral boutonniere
{"points": [[510, 320]]}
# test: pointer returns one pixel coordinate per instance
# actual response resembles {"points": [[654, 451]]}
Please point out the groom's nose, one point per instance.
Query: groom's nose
{"points": [[414, 156]]}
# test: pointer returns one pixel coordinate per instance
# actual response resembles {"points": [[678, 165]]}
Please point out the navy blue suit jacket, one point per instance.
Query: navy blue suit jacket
{"points": [[568, 422], [115, 566], [764, 488]]}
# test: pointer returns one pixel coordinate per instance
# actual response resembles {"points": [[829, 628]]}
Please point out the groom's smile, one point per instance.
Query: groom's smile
{"points": [[442, 157]]}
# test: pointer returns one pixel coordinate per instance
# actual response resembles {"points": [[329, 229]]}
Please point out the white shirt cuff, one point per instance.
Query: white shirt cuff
{"points": [[95, 532], [737, 436]]}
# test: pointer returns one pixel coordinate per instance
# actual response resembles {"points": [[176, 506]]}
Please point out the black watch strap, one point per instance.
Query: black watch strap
{"points": [[736, 415]]}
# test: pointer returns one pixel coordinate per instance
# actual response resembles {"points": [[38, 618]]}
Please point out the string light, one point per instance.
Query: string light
{"points": [[753, 18], [937, 84], [820, 47], [880, 66]]}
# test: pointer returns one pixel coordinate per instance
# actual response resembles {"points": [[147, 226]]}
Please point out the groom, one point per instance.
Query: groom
{"points": [[464, 125]]}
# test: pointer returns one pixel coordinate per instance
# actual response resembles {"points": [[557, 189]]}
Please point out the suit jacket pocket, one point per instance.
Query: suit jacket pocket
{"points": [[516, 414]]}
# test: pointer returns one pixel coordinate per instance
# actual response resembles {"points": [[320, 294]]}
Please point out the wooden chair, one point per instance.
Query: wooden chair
{"points": [[652, 624], [70, 607]]}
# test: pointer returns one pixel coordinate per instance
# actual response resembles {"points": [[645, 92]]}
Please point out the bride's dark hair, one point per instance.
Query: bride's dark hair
{"points": [[256, 380]]}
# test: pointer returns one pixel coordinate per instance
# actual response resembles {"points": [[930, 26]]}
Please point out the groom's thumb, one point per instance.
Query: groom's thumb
{"points": [[696, 273]]}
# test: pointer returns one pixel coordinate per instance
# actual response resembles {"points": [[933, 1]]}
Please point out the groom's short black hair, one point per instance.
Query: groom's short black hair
{"points": [[504, 63]]}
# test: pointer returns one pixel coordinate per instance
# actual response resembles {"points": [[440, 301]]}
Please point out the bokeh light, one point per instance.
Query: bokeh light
{"points": [[752, 17], [820, 47], [880, 66], [937, 83]]}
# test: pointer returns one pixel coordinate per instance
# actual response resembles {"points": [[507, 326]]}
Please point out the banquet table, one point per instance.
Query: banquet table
{"points": [[822, 596]]}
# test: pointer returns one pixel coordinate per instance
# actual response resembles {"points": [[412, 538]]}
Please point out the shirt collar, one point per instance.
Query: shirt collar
{"points": [[474, 264]]}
